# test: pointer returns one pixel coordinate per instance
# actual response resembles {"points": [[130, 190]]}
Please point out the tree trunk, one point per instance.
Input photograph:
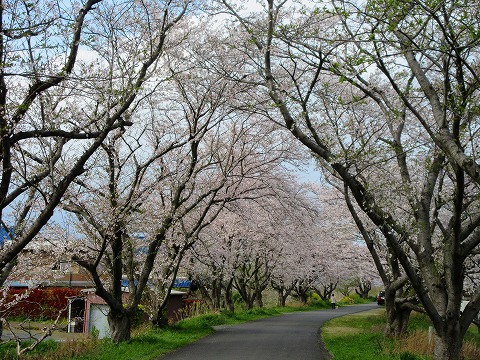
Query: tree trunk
{"points": [[281, 298], [229, 297], [397, 319], [249, 302], [448, 346], [258, 299], [326, 291], [161, 320], [207, 296], [398, 314], [216, 295], [303, 295], [120, 325], [364, 288]]}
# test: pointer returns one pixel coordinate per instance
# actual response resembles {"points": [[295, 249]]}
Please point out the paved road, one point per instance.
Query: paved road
{"points": [[286, 337]]}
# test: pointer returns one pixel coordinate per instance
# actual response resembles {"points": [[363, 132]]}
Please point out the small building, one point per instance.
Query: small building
{"points": [[87, 314], [96, 313], [175, 306]]}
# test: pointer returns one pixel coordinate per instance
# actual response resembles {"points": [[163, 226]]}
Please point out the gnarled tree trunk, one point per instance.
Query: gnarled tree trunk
{"points": [[398, 316], [120, 324]]}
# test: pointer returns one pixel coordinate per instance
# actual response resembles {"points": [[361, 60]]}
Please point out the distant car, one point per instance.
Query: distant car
{"points": [[381, 298]]}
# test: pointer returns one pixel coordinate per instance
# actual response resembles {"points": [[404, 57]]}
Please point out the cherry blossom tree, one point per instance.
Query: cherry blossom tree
{"points": [[70, 75], [346, 256], [154, 175], [245, 245], [407, 122], [400, 300], [155, 185], [259, 159], [56, 102], [280, 239], [301, 267]]}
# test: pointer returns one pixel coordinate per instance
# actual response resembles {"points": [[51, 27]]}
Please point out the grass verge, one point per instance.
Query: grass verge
{"points": [[360, 337], [146, 343]]}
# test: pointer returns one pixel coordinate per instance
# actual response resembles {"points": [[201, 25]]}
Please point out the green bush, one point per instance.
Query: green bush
{"points": [[355, 299], [200, 322], [316, 301]]}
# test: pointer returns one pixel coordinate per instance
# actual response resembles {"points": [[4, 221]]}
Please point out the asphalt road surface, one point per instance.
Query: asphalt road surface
{"points": [[293, 336]]}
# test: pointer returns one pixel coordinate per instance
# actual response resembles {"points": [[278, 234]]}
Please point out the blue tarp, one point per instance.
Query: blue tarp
{"points": [[181, 283], [125, 283]]}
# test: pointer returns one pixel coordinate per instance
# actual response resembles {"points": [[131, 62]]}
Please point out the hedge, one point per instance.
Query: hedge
{"points": [[42, 303]]}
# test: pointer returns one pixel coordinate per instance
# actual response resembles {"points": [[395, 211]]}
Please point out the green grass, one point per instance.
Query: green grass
{"points": [[8, 349], [146, 343], [360, 337], [353, 337], [356, 337]]}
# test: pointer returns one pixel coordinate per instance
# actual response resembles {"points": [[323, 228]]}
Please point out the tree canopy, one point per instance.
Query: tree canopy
{"points": [[178, 119]]}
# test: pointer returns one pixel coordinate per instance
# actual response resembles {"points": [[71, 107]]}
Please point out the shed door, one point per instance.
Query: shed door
{"points": [[98, 319]]}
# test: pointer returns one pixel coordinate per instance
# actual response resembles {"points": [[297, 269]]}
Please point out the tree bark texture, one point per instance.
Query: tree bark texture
{"points": [[120, 325]]}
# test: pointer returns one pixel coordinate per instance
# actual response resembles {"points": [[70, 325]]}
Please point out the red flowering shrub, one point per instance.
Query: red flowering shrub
{"points": [[44, 303]]}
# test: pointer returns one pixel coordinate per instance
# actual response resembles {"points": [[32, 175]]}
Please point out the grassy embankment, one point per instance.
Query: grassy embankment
{"points": [[360, 337], [146, 342]]}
